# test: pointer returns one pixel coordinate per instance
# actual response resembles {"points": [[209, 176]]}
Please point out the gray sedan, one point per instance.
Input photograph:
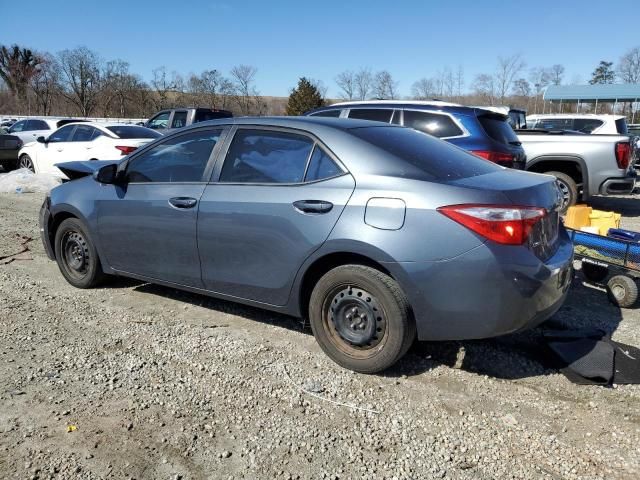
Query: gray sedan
{"points": [[376, 233]]}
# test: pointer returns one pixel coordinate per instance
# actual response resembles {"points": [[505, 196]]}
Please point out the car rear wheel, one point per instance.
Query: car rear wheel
{"points": [[568, 187], [361, 318], [26, 162], [76, 255]]}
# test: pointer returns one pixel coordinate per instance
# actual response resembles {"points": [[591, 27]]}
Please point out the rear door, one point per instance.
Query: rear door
{"points": [[277, 196], [147, 225]]}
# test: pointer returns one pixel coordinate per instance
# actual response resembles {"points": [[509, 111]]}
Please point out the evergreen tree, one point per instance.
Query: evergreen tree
{"points": [[304, 97], [604, 73]]}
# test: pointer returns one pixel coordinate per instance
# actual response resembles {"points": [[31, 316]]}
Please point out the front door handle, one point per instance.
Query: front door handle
{"points": [[183, 202], [313, 206]]}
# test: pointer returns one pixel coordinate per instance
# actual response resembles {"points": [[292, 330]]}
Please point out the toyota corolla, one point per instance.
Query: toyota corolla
{"points": [[377, 234]]}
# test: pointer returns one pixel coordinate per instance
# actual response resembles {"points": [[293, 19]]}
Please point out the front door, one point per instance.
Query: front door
{"points": [[147, 224], [278, 196]]}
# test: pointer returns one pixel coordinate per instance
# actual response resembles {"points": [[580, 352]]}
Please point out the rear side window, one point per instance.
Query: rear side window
{"points": [[178, 159], [438, 160], [37, 125], [133, 131], [263, 156], [621, 126], [83, 133], [586, 125], [179, 119], [321, 166], [440, 126], [555, 123], [499, 129], [327, 113], [373, 114]]}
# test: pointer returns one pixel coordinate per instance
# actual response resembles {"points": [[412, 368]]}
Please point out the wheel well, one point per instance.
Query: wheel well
{"points": [[322, 265], [53, 226], [573, 169]]}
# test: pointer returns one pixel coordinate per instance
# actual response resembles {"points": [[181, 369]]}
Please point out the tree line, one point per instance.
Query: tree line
{"points": [[79, 82]]}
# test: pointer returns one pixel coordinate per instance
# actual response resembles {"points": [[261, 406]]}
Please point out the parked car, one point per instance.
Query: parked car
{"points": [[172, 119], [482, 132], [584, 165], [584, 123], [7, 122], [83, 141], [377, 233], [29, 129], [9, 147]]}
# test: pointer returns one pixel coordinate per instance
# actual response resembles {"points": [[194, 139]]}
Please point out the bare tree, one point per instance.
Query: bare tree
{"points": [[629, 66], [17, 68], [556, 72], [320, 86], [363, 80], [508, 69], [163, 85], [422, 89], [459, 81], [246, 94], [384, 86], [346, 82], [484, 86], [521, 87], [448, 82], [46, 82], [210, 88], [81, 78]]}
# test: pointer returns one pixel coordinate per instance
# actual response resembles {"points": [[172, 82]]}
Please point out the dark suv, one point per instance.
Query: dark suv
{"points": [[485, 133], [173, 118]]}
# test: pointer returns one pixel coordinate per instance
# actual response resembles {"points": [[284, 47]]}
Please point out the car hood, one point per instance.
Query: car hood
{"points": [[81, 169]]}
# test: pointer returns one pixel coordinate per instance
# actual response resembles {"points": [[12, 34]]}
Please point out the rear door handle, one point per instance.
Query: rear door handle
{"points": [[183, 202], [313, 206]]}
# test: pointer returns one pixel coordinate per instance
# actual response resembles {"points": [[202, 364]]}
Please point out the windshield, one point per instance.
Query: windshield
{"points": [[133, 131], [438, 159]]}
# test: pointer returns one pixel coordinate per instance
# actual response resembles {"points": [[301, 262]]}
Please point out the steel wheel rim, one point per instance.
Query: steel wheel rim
{"points": [[75, 254], [566, 192], [25, 162], [355, 321]]}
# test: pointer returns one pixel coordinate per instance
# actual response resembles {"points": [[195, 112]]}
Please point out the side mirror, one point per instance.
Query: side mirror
{"points": [[107, 174], [41, 140]]}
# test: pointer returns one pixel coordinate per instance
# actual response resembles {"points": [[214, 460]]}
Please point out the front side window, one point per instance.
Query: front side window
{"points": [[179, 119], [62, 134], [441, 126], [264, 156], [159, 121], [18, 126], [83, 133], [321, 166], [327, 113], [373, 114], [178, 159]]}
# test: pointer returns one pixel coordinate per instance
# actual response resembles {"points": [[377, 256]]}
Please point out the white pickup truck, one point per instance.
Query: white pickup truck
{"points": [[585, 165]]}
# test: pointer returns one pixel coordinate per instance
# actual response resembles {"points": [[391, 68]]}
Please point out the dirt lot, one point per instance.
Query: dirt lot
{"points": [[139, 381]]}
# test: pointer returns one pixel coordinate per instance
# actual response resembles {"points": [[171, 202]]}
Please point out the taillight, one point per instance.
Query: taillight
{"points": [[125, 149], [508, 225], [623, 154], [497, 157]]}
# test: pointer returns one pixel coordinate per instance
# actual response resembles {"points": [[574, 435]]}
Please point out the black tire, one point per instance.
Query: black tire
{"points": [[76, 255], [622, 291], [361, 318], [594, 273], [569, 189], [25, 162]]}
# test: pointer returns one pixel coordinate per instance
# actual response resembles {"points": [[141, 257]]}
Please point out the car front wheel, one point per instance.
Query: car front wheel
{"points": [[76, 255], [361, 318], [26, 162]]}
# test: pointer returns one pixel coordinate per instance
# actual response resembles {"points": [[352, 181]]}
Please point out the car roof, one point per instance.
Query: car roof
{"points": [[602, 116], [406, 104], [303, 122]]}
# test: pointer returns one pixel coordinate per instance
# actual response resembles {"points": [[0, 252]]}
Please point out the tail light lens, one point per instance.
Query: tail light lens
{"points": [[623, 154], [501, 158], [126, 150], [508, 225]]}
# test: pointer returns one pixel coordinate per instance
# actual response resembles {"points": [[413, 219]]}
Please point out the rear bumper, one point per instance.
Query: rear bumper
{"points": [[618, 186], [489, 291]]}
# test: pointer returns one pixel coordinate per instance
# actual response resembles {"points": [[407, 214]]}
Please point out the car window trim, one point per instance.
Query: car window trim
{"points": [[122, 168], [465, 132], [215, 177]]}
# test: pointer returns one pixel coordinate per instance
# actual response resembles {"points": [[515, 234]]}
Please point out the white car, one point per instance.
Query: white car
{"points": [[29, 129], [83, 141], [580, 122]]}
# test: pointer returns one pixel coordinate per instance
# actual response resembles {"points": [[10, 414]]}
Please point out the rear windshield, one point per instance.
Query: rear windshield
{"points": [[204, 115], [621, 126], [133, 131], [438, 159], [499, 129]]}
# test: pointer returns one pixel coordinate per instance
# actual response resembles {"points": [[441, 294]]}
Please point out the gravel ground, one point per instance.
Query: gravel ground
{"points": [[140, 381]]}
